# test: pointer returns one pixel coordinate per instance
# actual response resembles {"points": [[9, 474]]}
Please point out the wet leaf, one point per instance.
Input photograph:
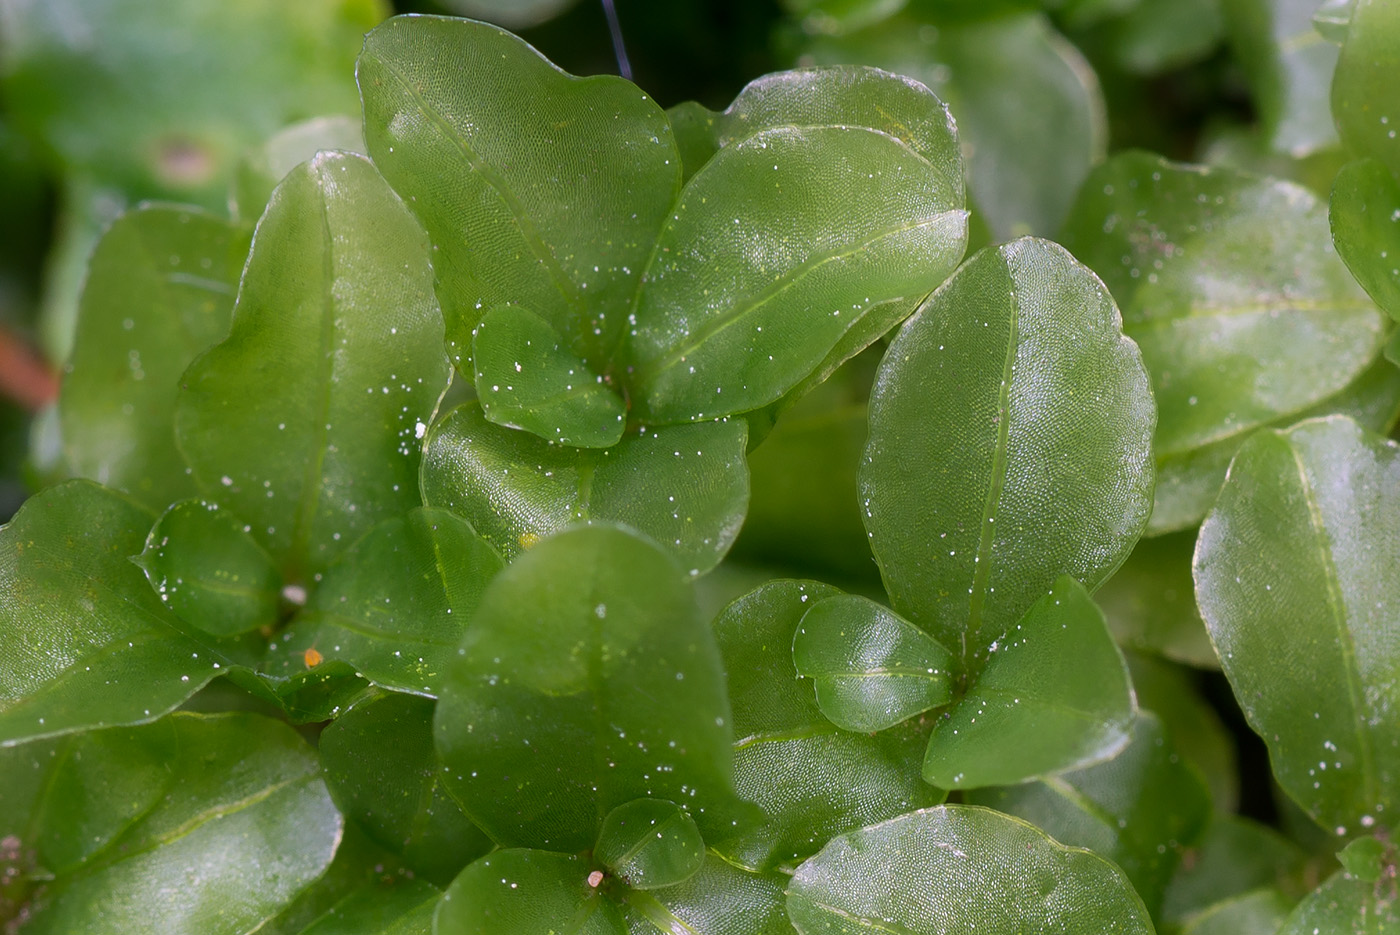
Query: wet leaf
{"points": [[527, 379], [1365, 217], [686, 486], [305, 420], [649, 844], [1043, 401], [1292, 577], [1363, 88], [989, 872], [405, 908]]}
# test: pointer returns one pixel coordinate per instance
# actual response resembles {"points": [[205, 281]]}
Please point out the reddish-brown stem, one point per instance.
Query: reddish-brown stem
{"points": [[24, 376]]}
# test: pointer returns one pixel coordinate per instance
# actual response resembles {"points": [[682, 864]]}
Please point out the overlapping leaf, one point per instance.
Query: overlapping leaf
{"points": [[1363, 88]]}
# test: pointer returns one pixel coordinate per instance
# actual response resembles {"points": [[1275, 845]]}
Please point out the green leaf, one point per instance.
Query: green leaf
{"points": [[304, 421], [1226, 292], [526, 892], [159, 290], [1028, 106], [384, 774], [1141, 809], [1289, 67], [1294, 563], [260, 170], [811, 780], [1156, 36], [871, 668], [1332, 19], [1236, 856], [1040, 400], [686, 486], [1150, 602], [917, 873], [650, 843], [1054, 695], [1260, 912], [404, 908], [1365, 218], [536, 187], [1363, 88], [526, 379], [235, 822], [721, 899], [207, 568], [1346, 904], [586, 680], [1363, 859], [838, 17], [396, 604], [84, 641]]}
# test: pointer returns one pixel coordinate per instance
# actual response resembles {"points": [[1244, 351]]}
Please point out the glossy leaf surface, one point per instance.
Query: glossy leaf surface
{"points": [[536, 187], [1054, 695], [549, 718], [209, 571], [396, 604], [1242, 321], [1040, 399], [686, 486], [384, 774], [650, 843], [1365, 217], [961, 869], [1363, 89], [527, 379], [305, 420], [235, 823], [1291, 575], [871, 668], [159, 291], [811, 779], [527, 892], [84, 641], [719, 900]]}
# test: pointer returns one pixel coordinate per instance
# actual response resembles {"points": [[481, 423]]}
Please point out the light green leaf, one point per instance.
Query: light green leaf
{"points": [[1039, 399], [536, 187], [649, 844], [204, 565], [396, 604], [84, 641], [237, 822], [1260, 912], [526, 379], [1236, 856], [686, 486], [1150, 602], [527, 892], [1365, 218], [811, 780], [1294, 563], [991, 873], [1347, 905], [305, 420], [871, 668], [1364, 859], [384, 774], [719, 900], [1141, 809], [1242, 320], [159, 290], [586, 680], [513, 14], [1363, 88], [1054, 695], [262, 168]]}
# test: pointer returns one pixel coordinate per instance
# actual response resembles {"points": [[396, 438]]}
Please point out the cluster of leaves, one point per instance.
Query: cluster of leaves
{"points": [[375, 603]]}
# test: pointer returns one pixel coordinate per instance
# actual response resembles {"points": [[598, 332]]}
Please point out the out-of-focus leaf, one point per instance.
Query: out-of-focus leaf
{"points": [[649, 844], [838, 17], [1346, 904], [1260, 912], [1150, 602], [1160, 35], [512, 14], [1363, 89], [1236, 856], [1171, 692], [404, 907], [261, 169], [305, 420], [1364, 858]]}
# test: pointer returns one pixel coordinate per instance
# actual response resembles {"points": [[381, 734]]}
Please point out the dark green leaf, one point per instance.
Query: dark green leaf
{"points": [[1161, 35], [719, 900], [1293, 577], [686, 486], [204, 565], [1260, 912], [1039, 399], [811, 780], [537, 188], [159, 290], [260, 170], [1363, 859], [305, 420], [1365, 217], [396, 604], [870, 667], [84, 641], [1346, 905], [1150, 602], [404, 908], [524, 892], [384, 774], [649, 844], [527, 379], [1363, 89], [1054, 695], [586, 680], [1235, 856], [966, 867]]}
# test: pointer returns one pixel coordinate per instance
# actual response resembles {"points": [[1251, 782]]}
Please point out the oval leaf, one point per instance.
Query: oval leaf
{"points": [[1015, 381], [1363, 88], [586, 680], [1054, 695], [650, 843], [1365, 218], [526, 379], [871, 668], [1295, 562], [304, 421], [992, 873]]}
